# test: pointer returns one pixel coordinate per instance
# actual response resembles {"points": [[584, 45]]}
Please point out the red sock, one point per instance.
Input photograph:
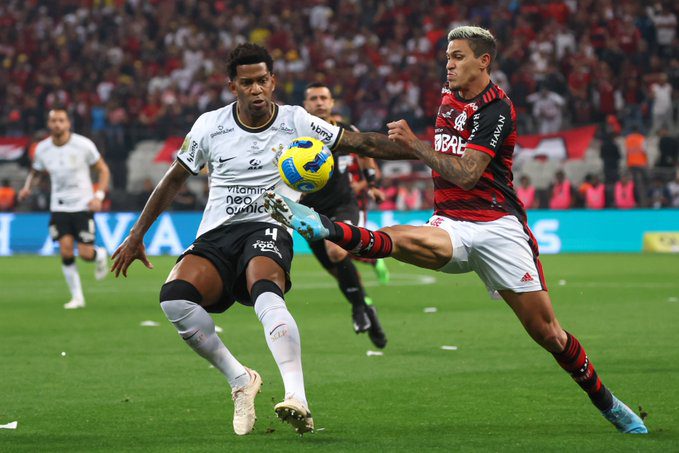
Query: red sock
{"points": [[361, 241], [574, 360]]}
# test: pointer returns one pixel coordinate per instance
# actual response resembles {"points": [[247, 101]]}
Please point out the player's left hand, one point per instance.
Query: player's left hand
{"points": [[400, 132], [131, 249], [376, 194], [94, 205]]}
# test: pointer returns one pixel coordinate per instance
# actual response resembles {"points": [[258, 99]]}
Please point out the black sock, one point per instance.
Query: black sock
{"points": [[349, 282]]}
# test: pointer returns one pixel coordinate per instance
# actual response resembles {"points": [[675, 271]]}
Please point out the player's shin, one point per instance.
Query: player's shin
{"points": [[574, 360], [72, 277], [360, 241], [282, 337], [197, 329]]}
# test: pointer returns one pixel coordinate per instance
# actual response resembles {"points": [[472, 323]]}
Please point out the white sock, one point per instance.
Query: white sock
{"points": [[282, 336], [101, 251], [197, 328], [73, 280]]}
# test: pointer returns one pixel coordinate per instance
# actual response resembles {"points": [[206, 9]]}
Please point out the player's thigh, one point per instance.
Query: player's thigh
{"points": [[422, 246], [535, 311], [202, 274], [66, 245], [264, 268]]}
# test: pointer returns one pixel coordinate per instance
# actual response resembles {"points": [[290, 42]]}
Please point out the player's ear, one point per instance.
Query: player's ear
{"points": [[485, 61], [232, 86], [273, 81]]}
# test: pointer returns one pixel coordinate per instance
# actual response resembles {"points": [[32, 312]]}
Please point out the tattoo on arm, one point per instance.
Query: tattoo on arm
{"points": [[373, 144], [160, 199], [464, 172]]}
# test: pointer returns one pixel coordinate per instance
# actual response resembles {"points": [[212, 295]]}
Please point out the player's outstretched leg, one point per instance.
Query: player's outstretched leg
{"points": [[179, 300], [314, 226], [624, 418]]}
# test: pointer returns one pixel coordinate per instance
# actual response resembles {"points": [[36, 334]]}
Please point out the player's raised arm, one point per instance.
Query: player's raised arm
{"points": [[132, 247], [373, 144]]}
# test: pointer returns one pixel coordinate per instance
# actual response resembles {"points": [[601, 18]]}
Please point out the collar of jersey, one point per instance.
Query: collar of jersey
{"points": [[261, 128], [485, 90]]}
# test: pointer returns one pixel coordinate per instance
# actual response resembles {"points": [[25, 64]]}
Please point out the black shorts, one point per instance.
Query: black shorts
{"points": [[348, 212], [80, 225], [231, 247]]}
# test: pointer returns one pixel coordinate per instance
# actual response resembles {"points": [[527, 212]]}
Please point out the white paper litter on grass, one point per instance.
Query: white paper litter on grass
{"points": [[430, 309], [449, 348], [562, 282], [149, 324], [12, 425], [218, 329], [371, 353]]}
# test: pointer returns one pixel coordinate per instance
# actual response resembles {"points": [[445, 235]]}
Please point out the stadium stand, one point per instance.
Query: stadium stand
{"points": [[134, 73]]}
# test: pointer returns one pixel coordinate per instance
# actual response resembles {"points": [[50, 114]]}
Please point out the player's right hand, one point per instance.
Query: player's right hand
{"points": [[131, 249]]}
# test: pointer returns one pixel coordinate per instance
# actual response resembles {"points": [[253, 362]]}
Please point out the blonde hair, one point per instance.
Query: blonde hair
{"points": [[480, 40]]}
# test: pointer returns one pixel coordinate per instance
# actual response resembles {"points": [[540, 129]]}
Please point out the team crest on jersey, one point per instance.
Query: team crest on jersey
{"points": [[461, 121]]}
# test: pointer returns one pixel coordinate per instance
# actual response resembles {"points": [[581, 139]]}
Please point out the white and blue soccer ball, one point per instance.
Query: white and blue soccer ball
{"points": [[306, 165]]}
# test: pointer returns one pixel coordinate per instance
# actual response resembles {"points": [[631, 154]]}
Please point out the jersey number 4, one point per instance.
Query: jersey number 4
{"points": [[273, 232]]}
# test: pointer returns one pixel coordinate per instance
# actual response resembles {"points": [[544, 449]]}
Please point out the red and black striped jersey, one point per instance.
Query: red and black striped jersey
{"points": [[487, 124]]}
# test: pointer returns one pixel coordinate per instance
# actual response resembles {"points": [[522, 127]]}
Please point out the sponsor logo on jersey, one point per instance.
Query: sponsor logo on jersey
{"points": [[326, 135], [498, 130], [267, 246], [221, 131], [283, 128], [436, 222], [221, 161], [255, 164], [192, 153], [449, 144]]}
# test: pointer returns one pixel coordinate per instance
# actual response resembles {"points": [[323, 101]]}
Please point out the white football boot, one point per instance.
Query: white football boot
{"points": [[74, 303], [244, 404], [293, 412]]}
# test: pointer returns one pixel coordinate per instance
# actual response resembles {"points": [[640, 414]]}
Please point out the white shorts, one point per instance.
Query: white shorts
{"points": [[502, 252]]}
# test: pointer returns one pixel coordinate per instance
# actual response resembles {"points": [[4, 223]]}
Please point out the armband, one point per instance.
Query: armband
{"points": [[370, 176], [100, 195]]}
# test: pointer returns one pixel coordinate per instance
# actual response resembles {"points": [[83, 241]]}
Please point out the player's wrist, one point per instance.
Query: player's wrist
{"points": [[100, 195], [370, 175]]}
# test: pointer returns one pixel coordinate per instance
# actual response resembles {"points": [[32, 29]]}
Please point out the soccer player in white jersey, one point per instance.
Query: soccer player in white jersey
{"points": [[68, 157], [240, 254]]}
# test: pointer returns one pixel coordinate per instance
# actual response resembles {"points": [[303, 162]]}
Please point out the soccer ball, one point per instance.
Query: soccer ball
{"points": [[306, 165]]}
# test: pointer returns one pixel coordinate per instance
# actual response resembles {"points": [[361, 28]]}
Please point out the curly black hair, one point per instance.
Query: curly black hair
{"points": [[248, 53]]}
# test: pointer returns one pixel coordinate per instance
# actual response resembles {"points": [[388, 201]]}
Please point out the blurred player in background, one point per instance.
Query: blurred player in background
{"points": [[240, 254], [67, 158], [337, 201], [478, 224]]}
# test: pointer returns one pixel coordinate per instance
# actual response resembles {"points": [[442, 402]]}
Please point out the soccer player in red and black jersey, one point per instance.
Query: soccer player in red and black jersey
{"points": [[479, 224]]}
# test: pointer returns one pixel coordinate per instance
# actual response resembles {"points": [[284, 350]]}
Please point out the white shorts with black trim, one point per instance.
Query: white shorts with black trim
{"points": [[502, 252]]}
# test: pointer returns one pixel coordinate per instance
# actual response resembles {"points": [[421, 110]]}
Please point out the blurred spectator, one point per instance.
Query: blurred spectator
{"points": [[658, 194], [661, 93], [390, 189], [526, 193], [669, 151], [637, 160], [8, 196], [624, 193], [595, 194], [610, 155], [673, 191], [561, 193], [409, 197], [583, 188], [547, 110], [185, 200]]}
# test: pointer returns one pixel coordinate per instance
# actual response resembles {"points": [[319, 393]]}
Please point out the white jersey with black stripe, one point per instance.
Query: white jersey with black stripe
{"points": [[242, 161], [69, 168]]}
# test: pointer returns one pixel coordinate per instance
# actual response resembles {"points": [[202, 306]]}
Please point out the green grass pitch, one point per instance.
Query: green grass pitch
{"points": [[124, 387]]}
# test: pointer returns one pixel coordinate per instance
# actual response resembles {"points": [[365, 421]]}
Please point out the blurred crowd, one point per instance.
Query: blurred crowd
{"points": [[129, 70]]}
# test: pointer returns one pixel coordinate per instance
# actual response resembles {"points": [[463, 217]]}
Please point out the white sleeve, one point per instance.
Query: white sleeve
{"points": [[311, 126], [38, 164], [193, 153], [92, 153]]}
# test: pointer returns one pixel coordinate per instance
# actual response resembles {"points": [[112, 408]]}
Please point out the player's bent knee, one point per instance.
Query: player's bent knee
{"points": [[180, 290], [264, 286]]}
